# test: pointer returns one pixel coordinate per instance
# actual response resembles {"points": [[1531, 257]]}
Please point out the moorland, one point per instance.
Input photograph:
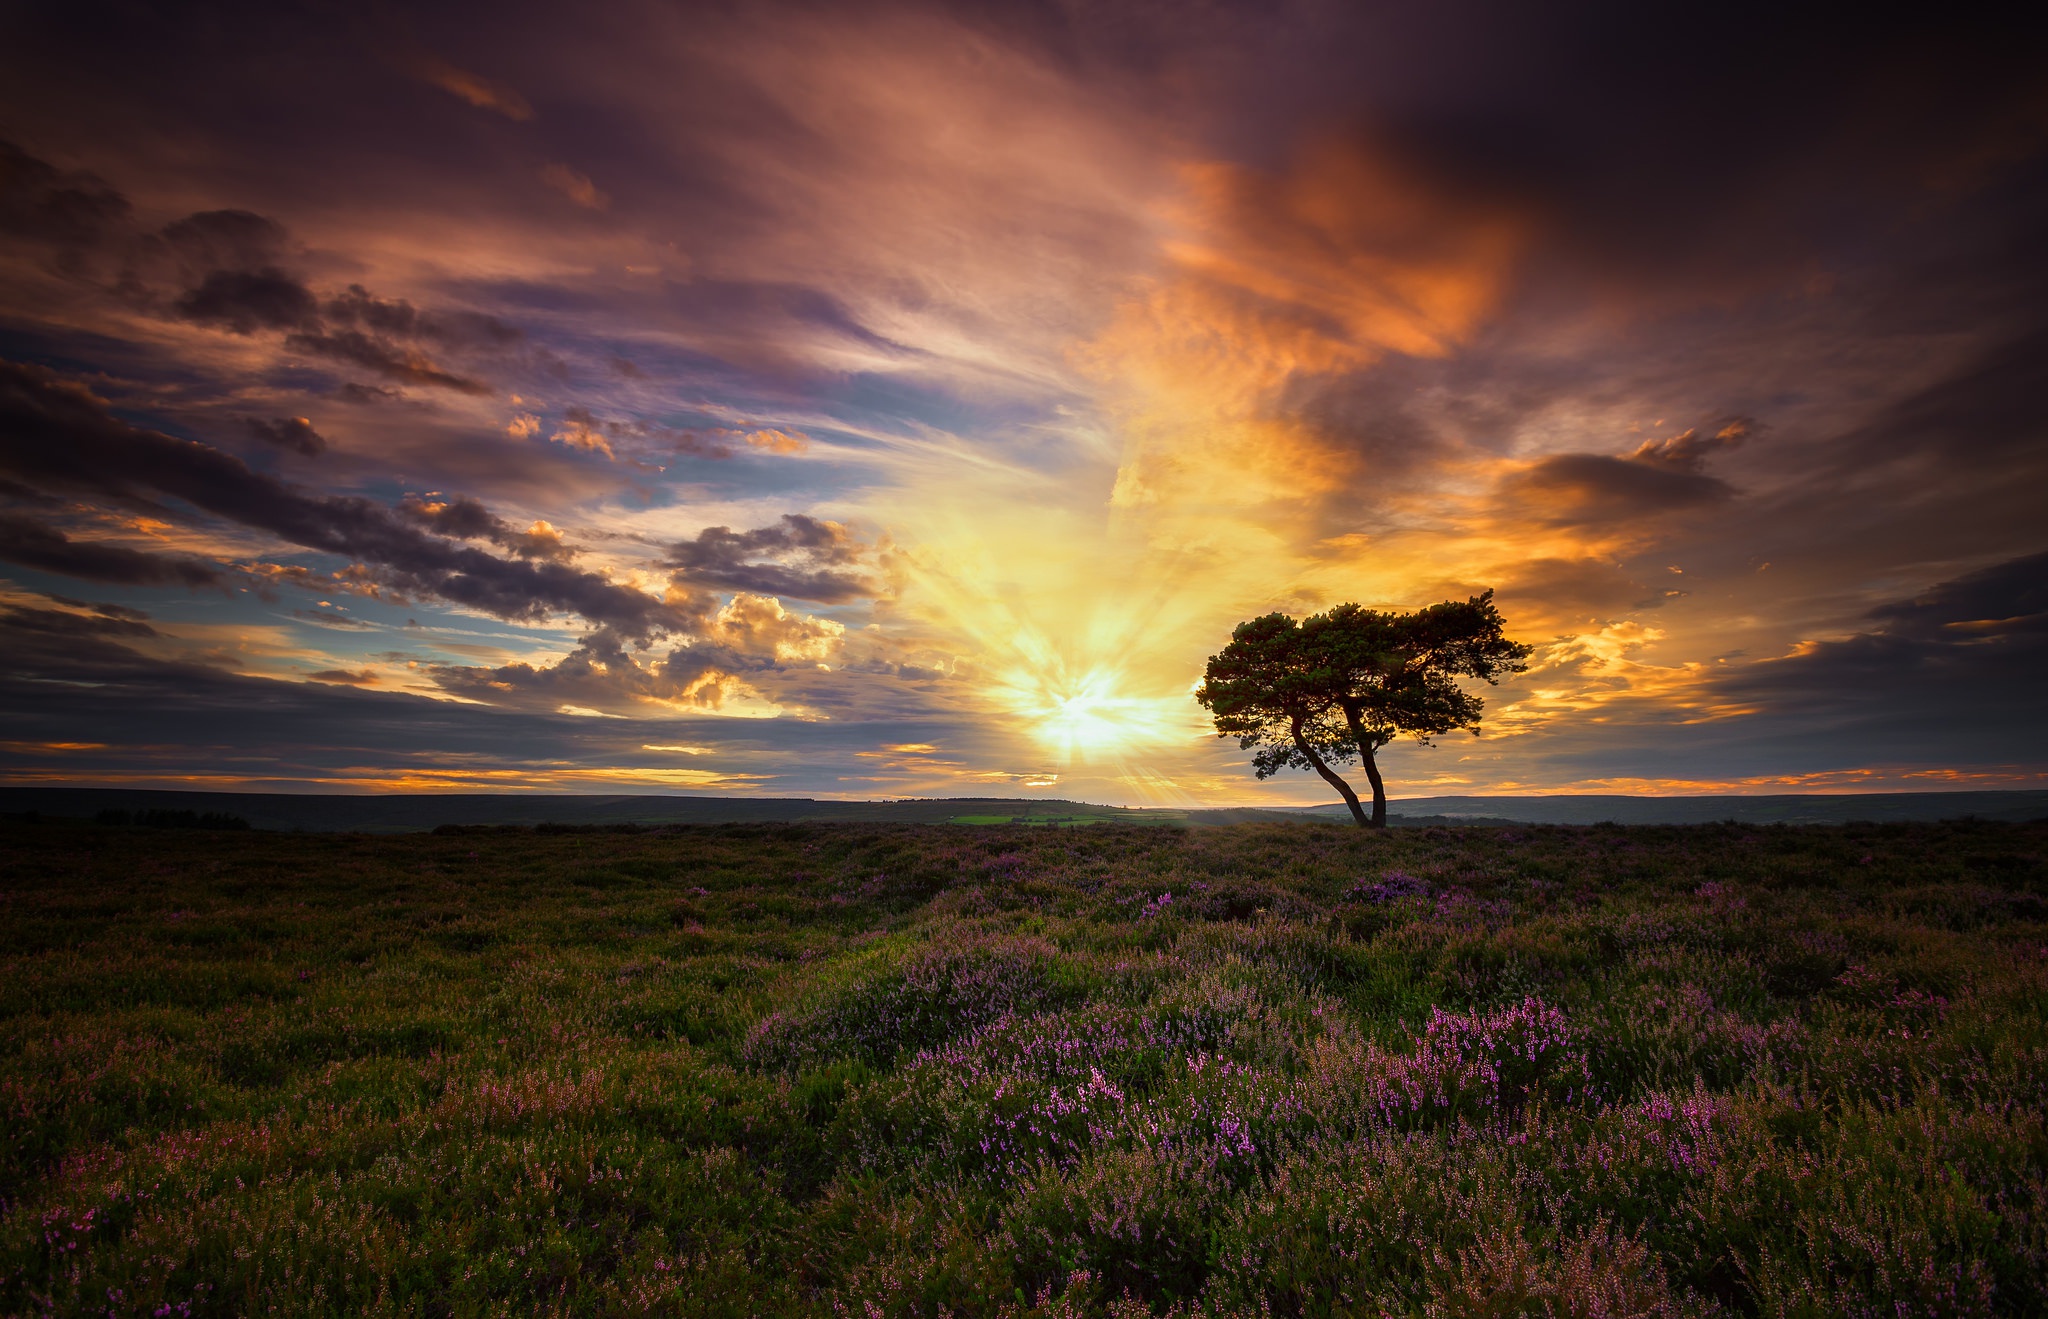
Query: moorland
{"points": [[1002, 1070]]}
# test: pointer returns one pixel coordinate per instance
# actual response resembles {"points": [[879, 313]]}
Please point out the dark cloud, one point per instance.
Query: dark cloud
{"points": [[1983, 415], [584, 429], [380, 355], [346, 677], [39, 201], [467, 519], [1959, 663], [110, 610], [368, 395], [209, 242], [54, 434], [42, 634], [231, 270], [1661, 476], [294, 433], [33, 544], [799, 557], [2004, 599], [1589, 488], [357, 307], [600, 673], [69, 678], [245, 301]]}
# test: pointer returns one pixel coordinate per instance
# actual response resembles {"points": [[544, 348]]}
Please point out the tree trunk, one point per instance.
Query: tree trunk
{"points": [[1372, 768], [1379, 788], [1335, 780]]}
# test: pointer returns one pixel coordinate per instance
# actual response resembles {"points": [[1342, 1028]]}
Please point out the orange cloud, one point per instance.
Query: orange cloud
{"points": [[576, 186], [474, 88]]}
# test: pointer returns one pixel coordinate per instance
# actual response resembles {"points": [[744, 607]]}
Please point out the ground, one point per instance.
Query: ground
{"points": [[1009, 1070]]}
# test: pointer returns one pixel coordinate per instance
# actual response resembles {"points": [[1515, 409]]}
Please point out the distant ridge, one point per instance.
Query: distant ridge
{"points": [[400, 813], [1792, 808]]}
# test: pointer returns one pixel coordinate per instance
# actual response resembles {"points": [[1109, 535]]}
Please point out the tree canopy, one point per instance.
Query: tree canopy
{"points": [[1338, 686]]}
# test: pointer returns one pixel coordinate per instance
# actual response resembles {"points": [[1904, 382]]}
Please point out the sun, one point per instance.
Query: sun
{"points": [[1090, 719]]}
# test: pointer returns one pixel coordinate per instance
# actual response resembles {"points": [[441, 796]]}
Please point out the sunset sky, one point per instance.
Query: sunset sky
{"points": [[896, 400]]}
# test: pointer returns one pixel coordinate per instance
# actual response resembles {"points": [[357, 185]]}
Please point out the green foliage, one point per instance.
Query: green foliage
{"points": [[1340, 685], [1017, 1071]]}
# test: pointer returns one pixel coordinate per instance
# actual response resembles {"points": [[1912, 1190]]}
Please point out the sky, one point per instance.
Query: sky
{"points": [[893, 400]]}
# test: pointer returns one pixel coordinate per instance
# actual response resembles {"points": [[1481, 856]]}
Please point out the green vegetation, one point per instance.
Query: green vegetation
{"points": [[1005, 1070], [1340, 685]]}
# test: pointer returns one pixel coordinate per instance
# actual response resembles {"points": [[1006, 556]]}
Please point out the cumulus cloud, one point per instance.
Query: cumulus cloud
{"points": [[345, 677], [233, 270], [245, 301], [1688, 450], [779, 441], [467, 519], [294, 433], [759, 626], [801, 557], [1661, 476]]}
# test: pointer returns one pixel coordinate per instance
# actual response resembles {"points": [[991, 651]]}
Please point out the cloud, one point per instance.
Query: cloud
{"points": [[356, 306], [1687, 451], [39, 201], [580, 430], [601, 674], [2002, 600], [759, 626], [206, 242], [245, 301], [65, 626], [1359, 309], [779, 441], [1952, 675], [57, 434], [1558, 592], [477, 90], [575, 186], [374, 353], [800, 557], [231, 270], [466, 519], [32, 544], [294, 433], [1590, 488], [345, 677]]}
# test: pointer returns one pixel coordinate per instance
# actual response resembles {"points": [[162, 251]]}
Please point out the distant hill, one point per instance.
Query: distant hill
{"points": [[401, 813], [1802, 808]]}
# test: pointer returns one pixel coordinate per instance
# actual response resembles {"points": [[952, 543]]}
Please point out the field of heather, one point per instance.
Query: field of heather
{"points": [[1000, 1070]]}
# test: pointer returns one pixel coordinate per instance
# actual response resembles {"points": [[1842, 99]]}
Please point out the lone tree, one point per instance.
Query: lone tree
{"points": [[1341, 685]]}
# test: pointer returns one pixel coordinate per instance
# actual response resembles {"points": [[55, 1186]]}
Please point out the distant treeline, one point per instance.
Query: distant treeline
{"points": [[159, 819]]}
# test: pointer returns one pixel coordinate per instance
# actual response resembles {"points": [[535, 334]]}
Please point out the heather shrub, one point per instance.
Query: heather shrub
{"points": [[1007, 1071], [1136, 1220], [951, 985]]}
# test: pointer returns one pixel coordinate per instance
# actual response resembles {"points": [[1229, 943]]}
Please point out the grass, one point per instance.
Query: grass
{"points": [[1012, 1070]]}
